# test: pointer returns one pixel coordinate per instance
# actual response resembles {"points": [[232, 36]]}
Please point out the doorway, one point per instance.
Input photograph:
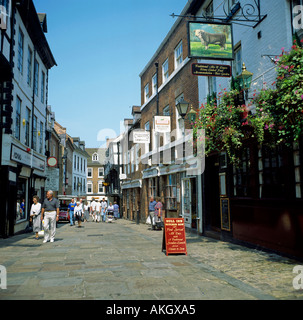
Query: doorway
{"points": [[189, 203]]}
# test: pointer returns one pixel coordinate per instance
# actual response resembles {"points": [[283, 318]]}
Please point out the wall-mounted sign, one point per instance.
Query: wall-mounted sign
{"points": [[140, 136], [225, 214], [162, 123], [210, 40], [174, 236], [28, 159], [52, 162], [211, 70]]}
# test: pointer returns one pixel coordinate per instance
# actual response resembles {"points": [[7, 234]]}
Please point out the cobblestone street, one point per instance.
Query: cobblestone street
{"points": [[123, 260]]}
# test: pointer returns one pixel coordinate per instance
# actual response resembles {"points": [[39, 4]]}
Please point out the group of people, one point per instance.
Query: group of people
{"points": [[101, 212], [48, 213]]}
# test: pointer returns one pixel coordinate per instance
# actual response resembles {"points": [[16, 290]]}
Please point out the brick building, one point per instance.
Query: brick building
{"points": [[165, 80]]}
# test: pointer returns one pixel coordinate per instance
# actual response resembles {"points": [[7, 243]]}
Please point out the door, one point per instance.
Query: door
{"points": [[186, 202]]}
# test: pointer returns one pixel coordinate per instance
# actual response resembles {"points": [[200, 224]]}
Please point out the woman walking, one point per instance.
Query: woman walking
{"points": [[78, 213], [158, 213], [35, 216], [86, 212]]}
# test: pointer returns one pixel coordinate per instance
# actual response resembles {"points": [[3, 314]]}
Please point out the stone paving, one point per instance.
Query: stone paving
{"points": [[124, 261]]}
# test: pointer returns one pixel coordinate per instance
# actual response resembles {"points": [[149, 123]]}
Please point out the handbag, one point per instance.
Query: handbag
{"points": [[148, 221]]}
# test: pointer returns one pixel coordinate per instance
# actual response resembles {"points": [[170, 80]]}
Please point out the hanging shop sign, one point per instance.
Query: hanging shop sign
{"points": [[211, 70], [140, 136], [174, 241], [210, 40], [162, 124]]}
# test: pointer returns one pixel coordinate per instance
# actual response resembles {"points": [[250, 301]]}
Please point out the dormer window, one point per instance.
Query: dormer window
{"points": [[95, 157]]}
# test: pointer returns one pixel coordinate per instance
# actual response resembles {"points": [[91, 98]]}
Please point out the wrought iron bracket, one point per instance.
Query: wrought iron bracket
{"points": [[247, 14]]}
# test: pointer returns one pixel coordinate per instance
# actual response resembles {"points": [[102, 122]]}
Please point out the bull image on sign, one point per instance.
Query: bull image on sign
{"points": [[210, 41]]}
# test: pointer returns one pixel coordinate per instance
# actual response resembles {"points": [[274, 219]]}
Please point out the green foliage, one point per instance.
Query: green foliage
{"points": [[278, 118]]}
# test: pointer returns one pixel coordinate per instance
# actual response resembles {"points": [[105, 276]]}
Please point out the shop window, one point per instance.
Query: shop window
{"points": [[274, 173], [171, 192], [242, 176], [21, 200]]}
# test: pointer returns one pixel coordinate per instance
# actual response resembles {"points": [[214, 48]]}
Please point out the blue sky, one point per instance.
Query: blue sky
{"points": [[101, 46]]}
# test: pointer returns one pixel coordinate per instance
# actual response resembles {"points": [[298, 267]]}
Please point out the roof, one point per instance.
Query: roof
{"points": [[101, 153]]}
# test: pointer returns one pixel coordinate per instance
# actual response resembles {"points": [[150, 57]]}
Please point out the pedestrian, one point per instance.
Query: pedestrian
{"points": [[50, 213], [110, 212], [93, 209], [103, 209], [86, 212], [116, 211], [71, 209], [158, 213], [35, 216], [151, 209], [78, 213], [98, 211]]}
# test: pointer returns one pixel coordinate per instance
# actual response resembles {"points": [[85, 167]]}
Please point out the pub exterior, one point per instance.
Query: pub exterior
{"points": [[256, 201]]}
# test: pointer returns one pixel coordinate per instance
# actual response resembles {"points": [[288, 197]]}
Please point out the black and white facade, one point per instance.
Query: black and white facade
{"points": [[26, 59]]}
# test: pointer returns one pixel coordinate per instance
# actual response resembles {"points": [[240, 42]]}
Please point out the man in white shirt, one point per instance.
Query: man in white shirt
{"points": [[103, 209], [98, 211], [93, 209]]}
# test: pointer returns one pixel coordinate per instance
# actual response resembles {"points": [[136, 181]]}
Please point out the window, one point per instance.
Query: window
{"points": [[171, 192], [29, 66], [100, 187], [178, 55], [238, 60], [89, 187], [146, 93], [155, 83], [274, 174], [212, 86], [75, 183], [100, 172], [95, 157], [18, 119], [27, 120], [152, 188], [42, 86], [35, 133], [179, 120], [147, 126], [20, 51], [89, 173], [75, 162], [41, 138], [36, 77], [209, 10], [165, 73], [242, 175]]}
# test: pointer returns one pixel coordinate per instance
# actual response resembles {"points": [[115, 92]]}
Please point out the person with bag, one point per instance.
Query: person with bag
{"points": [[35, 216], [158, 214]]}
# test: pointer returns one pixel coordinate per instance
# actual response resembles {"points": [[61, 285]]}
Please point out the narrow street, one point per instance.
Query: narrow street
{"points": [[124, 261]]}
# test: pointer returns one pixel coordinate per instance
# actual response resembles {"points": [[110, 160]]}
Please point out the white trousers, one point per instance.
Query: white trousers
{"points": [[49, 225]]}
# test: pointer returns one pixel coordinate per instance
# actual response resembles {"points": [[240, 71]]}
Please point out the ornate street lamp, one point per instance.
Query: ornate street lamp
{"points": [[182, 107], [245, 79], [192, 115]]}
